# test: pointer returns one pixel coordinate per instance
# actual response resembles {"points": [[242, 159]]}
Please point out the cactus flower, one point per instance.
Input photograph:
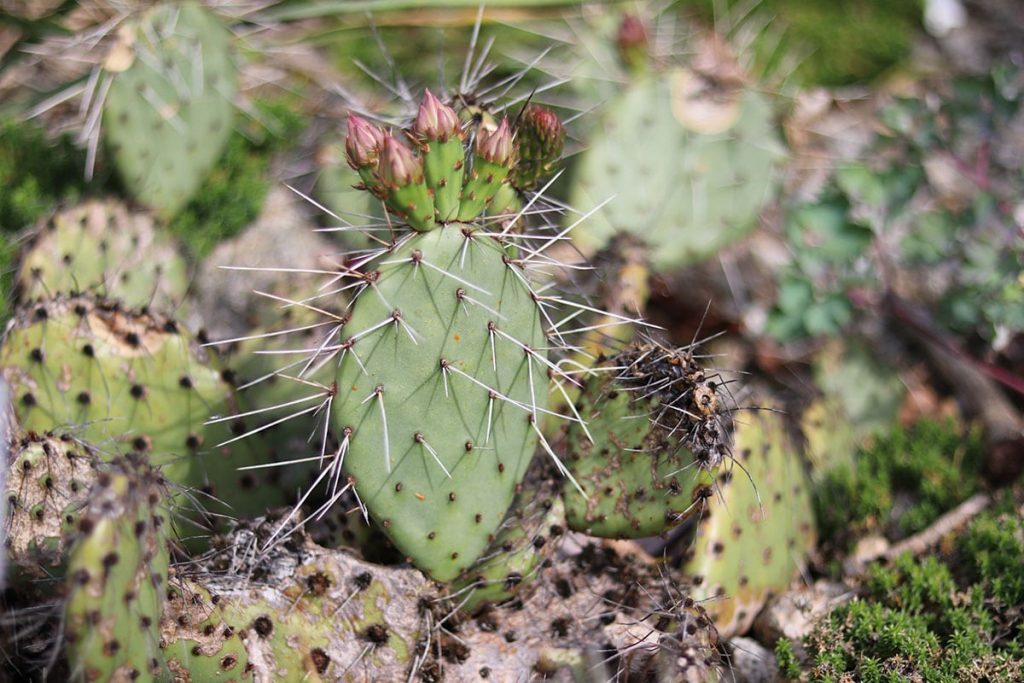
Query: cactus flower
{"points": [[435, 119], [364, 142], [496, 147]]}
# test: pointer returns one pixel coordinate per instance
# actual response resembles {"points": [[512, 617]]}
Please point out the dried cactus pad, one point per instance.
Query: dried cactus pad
{"points": [[685, 193], [746, 551], [47, 485], [112, 376], [117, 575], [655, 444], [438, 392], [169, 110], [103, 248]]}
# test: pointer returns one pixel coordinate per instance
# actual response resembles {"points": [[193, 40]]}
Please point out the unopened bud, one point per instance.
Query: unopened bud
{"points": [[495, 147], [364, 142], [435, 119], [398, 166], [632, 42], [540, 139]]}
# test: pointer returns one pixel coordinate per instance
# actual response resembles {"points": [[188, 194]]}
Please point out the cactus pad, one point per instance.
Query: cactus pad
{"points": [[114, 376], [437, 389], [684, 193], [103, 248], [314, 620], [657, 437], [531, 532], [168, 114], [746, 549], [117, 573], [47, 486]]}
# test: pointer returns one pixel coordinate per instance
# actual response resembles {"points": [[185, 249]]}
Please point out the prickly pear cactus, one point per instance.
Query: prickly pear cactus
{"points": [[117, 575], [658, 437], [312, 615], [442, 369], [48, 481], [757, 529], [169, 110], [685, 192], [115, 377], [103, 248]]}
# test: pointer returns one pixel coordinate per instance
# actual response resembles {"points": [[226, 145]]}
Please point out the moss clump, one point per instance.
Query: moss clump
{"points": [[899, 484], [844, 42], [233, 193], [954, 617], [35, 173], [785, 657]]}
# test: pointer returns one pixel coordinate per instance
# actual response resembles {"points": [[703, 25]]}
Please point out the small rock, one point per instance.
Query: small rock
{"points": [[793, 615], [282, 237], [752, 662]]}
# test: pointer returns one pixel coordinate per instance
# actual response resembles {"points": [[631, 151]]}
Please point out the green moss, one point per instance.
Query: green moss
{"points": [[844, 42], [785, 657], [36, 173], [233, 193], [900, 484], [992, 555], [951, 617]]}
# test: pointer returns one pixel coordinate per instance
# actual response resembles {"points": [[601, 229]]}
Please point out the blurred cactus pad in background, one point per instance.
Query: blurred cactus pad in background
{"points": [[512, 340]]}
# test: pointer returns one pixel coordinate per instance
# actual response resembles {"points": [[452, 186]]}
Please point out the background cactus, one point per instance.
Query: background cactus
{"points": [[117, 576], [689, 153], [685, 192], [103, 248], [47, 486], [123, 379], [756, 531], [168, 112], [658, 438]]}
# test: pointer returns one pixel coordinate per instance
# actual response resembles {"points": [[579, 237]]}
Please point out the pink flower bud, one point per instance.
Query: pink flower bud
{"points": [[364, 142], [435, 119], [632, 41], [398, 166], [495, 147]]}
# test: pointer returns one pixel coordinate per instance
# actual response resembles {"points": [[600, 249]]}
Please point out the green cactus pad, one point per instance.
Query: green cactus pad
{"points": [[433, 401], [49, 479], [531, 532], [117, 573], [169, 111], [686, 194], [114, 376], [744, 551], [101, 247], [649, 466]]}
